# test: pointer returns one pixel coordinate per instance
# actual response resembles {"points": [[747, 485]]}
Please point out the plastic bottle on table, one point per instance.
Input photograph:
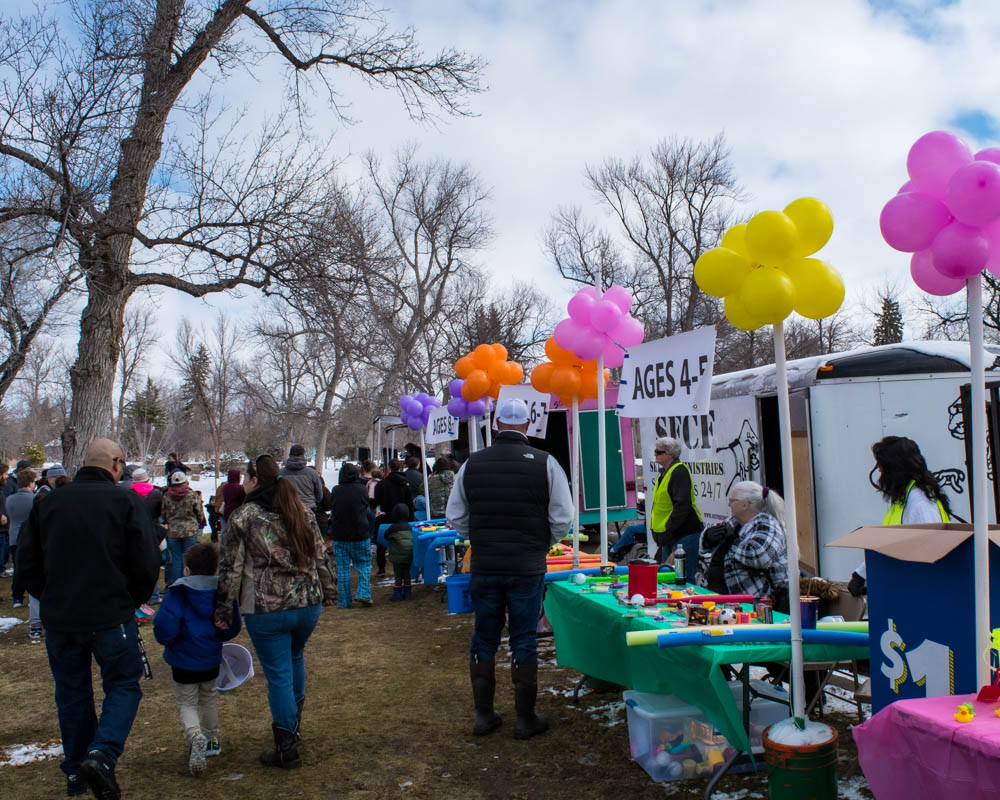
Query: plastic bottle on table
{"points": [[680, 566]]}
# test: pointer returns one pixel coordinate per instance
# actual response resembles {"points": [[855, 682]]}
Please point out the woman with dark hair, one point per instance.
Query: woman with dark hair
{"points": [[272, 562], [913, 493]]}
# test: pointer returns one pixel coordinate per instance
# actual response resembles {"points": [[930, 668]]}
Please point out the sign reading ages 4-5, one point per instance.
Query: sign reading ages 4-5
{"points": [[671, 376], [441, 426], [537, 403]]}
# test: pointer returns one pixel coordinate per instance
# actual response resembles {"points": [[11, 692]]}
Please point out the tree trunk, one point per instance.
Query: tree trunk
{"points": [[92, 377], [324, 428]]}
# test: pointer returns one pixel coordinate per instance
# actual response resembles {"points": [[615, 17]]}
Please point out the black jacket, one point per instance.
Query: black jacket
{"points": [[684, 520], [89, 553], [349, 507], [415, 479], [392, 490], [507, 491]]}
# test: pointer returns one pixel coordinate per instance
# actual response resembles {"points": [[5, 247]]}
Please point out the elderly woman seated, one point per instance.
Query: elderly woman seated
{"points": [[746, 554]]}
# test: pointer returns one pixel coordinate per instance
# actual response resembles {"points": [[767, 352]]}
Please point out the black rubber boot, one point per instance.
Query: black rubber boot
{"points": [[285, 753], [528, 723], [484, 686]]}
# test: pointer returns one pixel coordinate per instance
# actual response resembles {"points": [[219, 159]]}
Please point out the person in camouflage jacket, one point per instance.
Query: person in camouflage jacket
{"points": [[184, 518], [273, 562]]}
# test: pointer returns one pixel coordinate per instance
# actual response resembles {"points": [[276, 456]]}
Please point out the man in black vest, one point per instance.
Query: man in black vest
{"points": [[513, 502]]}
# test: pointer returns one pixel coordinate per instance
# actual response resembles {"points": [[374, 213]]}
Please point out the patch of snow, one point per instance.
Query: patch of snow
{"points": [[405, 784], [788, 733], [851, 789], [232, 776], [613, 713], [6, 623], [16, 755]]}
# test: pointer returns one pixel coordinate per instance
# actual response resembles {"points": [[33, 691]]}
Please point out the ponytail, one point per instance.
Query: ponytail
{"points": [[299, 535]]}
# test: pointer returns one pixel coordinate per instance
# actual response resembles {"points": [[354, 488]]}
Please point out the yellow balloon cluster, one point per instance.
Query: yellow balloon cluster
{"points": [[762, 269]]}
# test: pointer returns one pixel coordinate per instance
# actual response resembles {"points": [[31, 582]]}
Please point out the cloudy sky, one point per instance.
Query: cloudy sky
{"points": [[815, 97]]}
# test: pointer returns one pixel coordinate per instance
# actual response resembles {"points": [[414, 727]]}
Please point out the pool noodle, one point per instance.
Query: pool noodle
{"points": [[763, 634], [652, 636]]}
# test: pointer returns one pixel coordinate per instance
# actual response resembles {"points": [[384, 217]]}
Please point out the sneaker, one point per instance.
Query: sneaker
{"points": [[99, 773], [75, 785], [365, 602], [35, 635], [213, 748], [196, 760], [18, 604], [146, 610]]}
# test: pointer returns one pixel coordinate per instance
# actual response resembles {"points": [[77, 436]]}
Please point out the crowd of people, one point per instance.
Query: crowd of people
{"points": [[282, 546]]}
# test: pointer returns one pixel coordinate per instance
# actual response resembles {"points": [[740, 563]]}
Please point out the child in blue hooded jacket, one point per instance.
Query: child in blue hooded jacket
{"points": [[192, 646]]}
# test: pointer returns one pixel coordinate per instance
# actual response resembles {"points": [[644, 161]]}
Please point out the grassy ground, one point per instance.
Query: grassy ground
{"points": [[388, 715]]}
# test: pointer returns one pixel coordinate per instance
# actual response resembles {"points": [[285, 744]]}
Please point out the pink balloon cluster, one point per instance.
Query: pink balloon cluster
{"points": [[600, 323], [947, 214]]}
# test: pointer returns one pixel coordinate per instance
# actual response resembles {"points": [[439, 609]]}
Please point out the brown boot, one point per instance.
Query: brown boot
{"points": [[528, 723], [484, 686], [285, 753]]}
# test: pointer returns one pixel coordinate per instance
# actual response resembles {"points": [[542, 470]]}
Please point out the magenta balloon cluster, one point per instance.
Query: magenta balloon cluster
{"points": [[462, 408], [600, 323], [947, 214], [416, 408]]}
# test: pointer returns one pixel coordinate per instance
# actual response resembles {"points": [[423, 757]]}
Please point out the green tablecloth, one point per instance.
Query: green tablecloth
{"points": [[590, 633]]}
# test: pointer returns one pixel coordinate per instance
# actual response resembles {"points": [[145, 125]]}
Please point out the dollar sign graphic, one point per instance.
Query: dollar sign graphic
{"points": [[892, 646]]}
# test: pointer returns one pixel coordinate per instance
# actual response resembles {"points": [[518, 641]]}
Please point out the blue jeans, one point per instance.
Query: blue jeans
{"points": [[279, 638], [117, 653], [627, 539], [516, 598], [177, 548]]}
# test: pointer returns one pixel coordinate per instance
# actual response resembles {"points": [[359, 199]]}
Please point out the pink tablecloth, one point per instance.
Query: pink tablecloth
{"points": [[915, 749]]}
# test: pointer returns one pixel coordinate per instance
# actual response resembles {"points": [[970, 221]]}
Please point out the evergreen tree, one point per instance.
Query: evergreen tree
{"points": [[146, 420], [889, 323], [196, 380]]}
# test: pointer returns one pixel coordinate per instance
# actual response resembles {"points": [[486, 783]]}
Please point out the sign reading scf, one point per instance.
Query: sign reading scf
{"points": [[441, 426], [670, 376], [537, 403]]}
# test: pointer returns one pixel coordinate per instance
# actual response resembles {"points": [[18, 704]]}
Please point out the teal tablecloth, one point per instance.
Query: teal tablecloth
{"points": [[590, 633]]}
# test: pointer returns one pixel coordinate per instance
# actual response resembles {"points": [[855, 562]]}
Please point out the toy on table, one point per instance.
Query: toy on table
{"points": [[965, 713], [991, 693]]}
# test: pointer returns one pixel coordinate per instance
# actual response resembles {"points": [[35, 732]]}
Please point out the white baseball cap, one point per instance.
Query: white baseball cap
{"points": [[512, 412], [178, 477]]}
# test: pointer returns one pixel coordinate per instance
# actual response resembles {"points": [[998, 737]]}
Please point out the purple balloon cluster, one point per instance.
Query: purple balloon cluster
{"points": [[947, 214], [462, 408], [599, 323], [416, 408]]}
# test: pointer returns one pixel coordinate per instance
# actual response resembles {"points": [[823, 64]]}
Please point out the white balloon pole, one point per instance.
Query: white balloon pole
{"points": [[791, 528], [602, 458], [575, 473], [489, 426], [473, 423], [423, 460], [980, 531]]}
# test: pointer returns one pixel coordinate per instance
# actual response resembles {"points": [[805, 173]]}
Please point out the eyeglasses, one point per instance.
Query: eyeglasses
{"points": [[659, 452]]}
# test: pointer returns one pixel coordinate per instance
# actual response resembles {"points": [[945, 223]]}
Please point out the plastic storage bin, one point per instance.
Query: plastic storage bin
{"points": [[457, 587], [672, 740]]}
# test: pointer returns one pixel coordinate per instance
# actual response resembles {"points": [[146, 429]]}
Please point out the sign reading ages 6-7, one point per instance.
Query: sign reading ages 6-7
{"points": [[441, 426], [537, 403]]}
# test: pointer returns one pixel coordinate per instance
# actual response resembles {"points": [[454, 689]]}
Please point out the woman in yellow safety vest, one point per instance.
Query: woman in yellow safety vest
{"points": [[914, 494]]}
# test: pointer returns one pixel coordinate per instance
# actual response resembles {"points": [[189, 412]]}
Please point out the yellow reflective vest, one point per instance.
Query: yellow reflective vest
{"points": [[663, 506], [895, 515]]}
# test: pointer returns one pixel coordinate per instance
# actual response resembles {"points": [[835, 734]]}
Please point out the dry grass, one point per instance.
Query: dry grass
{"points": [[388, 715]]}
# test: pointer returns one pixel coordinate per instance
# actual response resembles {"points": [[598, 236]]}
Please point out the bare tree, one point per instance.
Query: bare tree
{"points": [[948, 317], [670, 205], [33, 280], [279, 381], [207, 363], [521, 318], [103, 146], [138, 336], [434, 223]]}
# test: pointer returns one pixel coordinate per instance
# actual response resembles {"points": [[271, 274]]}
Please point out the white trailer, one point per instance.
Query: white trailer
{"points": [[840, 405]]}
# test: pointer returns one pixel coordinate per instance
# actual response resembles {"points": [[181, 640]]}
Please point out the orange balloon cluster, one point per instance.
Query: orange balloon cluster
{"points": [[485, 370], [566, 376]]}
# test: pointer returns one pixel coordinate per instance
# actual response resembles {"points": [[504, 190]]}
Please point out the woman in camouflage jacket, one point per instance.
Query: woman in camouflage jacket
{"points": [[273, 562], [184, 518]]}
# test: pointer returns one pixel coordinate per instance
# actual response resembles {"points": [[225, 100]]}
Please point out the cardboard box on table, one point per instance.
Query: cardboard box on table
{"points": [[921, 608]]}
